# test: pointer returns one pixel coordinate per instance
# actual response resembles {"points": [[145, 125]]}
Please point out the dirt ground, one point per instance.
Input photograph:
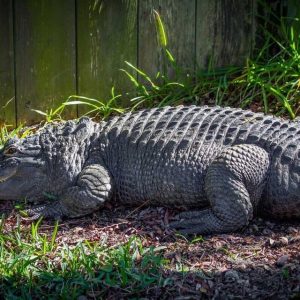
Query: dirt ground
{"points": [[260, 262]]}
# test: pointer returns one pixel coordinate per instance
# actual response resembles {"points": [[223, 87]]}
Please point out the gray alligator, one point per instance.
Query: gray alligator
{"points": [[228, 163]]}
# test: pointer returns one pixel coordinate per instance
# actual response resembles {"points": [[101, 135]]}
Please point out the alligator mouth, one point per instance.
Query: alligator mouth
{"points": [[7, 174], [4, 179]]}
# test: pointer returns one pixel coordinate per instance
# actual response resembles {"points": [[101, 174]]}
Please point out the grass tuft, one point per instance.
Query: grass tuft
{"points": [[35, 265]]}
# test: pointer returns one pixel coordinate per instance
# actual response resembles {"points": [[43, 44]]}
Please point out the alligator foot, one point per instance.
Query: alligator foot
{"points": [[197, 222], [53, 211]]}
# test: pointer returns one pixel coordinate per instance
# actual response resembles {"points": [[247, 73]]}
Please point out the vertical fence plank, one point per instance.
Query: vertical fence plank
{"points": [[7, 90], [179, 20], [293, 9], [107, 36], [293, 13], [225, 32], [45, 55]]}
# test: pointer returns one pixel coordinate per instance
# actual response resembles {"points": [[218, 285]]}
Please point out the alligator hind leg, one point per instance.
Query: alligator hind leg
{"points": [[234, 183], [94, 186]]}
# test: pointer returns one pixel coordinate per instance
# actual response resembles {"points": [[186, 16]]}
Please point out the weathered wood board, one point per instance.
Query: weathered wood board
{"points": [[293, 12], [179, 22], [106, 37], [225, 32], [45, 56], [51, 49], [7, 89]]}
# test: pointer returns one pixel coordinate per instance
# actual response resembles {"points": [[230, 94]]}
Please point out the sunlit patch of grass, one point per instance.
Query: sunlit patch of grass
{"points": [[35, 265]]}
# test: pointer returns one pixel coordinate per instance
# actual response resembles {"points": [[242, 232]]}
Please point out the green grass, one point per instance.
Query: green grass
{"points": [[274, 79], [7, 132], [97, 108], [102, 108], [34, 265]]}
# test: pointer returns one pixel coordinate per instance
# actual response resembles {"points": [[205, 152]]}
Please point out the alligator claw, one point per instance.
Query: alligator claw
{"points": [[185, 227], [52, 211], [196, 222]]}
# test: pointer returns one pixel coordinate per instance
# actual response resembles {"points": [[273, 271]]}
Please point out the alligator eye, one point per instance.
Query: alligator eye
{"points": [[10, 151]]}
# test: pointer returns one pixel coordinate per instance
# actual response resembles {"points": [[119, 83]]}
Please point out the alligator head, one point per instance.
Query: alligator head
{"points": [[46, 162], [22, 169]]}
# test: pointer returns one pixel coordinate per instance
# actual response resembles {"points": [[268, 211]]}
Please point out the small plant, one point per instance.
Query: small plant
{"points": [[51, 115], [99, 108], [7, 133], [198, 239], [285, 273], [160, 90]]}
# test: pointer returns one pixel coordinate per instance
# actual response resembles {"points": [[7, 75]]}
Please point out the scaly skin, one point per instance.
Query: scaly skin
{"points": [[228, 163]]}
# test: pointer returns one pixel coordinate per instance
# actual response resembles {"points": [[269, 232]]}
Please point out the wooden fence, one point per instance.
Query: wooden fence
{"points": [[50, 49]]}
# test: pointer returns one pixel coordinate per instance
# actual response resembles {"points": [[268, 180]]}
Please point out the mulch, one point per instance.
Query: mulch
{"points": [[259, 262]]}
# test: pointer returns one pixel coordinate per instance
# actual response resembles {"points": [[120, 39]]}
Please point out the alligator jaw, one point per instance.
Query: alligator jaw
{"points": [[7, 174], [4, 179]]}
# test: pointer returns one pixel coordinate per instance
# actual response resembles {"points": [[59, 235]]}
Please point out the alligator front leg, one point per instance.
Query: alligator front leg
{"points": [[93, 188], [233, 185]]}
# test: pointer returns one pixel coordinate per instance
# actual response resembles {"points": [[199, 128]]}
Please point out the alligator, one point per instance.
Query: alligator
{"points": [[224, 165]]}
